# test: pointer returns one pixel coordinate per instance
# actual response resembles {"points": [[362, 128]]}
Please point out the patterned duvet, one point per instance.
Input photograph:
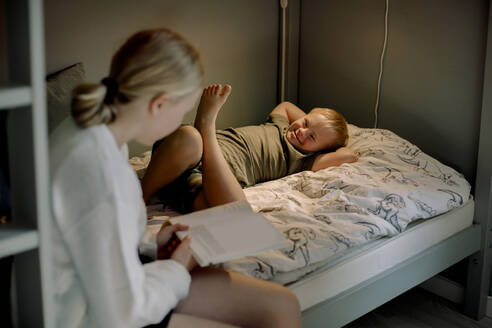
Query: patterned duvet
{"points": [[327, 213]]}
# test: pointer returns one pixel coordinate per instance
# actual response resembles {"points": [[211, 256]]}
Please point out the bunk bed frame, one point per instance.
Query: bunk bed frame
{"points": [[474, 242], [29, 169], [26, 236]]}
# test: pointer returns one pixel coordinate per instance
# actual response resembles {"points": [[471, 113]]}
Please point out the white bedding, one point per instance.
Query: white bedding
{"points": [[362, 264], [325, 213]]}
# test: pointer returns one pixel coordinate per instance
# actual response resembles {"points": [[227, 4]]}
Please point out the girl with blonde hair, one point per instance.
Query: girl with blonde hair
{"points": [[99, 214]]}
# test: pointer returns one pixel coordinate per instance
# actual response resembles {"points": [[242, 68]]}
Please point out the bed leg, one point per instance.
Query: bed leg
{"points": [[480, 263]]}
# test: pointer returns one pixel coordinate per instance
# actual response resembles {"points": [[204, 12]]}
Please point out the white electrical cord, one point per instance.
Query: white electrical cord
{"points": [[383, 52]]}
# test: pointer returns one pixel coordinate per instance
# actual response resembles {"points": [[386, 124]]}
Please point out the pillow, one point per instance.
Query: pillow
{"points": [[140, 162], [59, 86]]}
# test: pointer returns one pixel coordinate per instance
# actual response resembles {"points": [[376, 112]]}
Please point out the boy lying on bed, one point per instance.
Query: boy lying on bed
{"points": [[198, 167]]}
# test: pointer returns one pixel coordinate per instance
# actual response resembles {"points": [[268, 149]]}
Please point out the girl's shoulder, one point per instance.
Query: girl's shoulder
{"points": [[89, 175], [86, 156]]}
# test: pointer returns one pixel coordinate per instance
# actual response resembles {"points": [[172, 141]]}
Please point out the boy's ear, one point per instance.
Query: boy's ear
{"points": [[158, 104]]}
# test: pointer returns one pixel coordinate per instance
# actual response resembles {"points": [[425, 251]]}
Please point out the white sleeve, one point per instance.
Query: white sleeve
{"points": [[121, 291], [125, 152]]}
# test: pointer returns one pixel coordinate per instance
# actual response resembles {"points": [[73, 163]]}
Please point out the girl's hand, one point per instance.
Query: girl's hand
{"points": [[167, 241], [182, 254]]}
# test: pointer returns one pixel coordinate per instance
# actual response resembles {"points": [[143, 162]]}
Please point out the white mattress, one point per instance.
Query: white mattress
{"points": [[362, 264]]}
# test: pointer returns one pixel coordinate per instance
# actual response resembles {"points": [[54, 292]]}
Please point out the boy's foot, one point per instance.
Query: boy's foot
{"points": [[213, 97]]}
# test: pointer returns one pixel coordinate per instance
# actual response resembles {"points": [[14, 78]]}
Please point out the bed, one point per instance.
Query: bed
{"points": [[331, 292], [361, 233]]}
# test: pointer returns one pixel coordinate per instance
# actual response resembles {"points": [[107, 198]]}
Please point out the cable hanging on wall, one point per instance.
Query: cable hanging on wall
{"points": [[383, 52]]}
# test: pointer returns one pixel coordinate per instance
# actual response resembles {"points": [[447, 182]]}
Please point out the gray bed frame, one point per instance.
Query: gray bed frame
{"points": [[474, 242], [368, 295]]}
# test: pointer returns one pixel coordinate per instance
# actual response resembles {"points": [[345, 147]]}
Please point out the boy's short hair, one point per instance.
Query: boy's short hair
{"points": [[337, 122]]}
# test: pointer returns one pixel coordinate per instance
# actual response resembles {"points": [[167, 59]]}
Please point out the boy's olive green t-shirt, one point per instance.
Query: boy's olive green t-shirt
{"points": [[261, 153], [255, 154]]}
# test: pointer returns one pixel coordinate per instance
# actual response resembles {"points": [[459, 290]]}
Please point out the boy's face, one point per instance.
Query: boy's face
{"points": [[311, 133]]}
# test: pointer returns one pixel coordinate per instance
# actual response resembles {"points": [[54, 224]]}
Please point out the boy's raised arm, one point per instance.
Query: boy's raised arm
{"points": [[289, 110], [338, 157]]}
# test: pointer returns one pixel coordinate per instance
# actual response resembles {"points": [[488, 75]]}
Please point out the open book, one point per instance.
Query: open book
{"points": [[228, 232]]}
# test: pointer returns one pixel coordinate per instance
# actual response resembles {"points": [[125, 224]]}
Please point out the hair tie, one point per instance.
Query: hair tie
{"points": [[111, 89]]}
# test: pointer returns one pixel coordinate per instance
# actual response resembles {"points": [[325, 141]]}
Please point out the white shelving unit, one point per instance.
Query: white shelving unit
{"points": [[14, 241], [15, 96], [26, 236]]}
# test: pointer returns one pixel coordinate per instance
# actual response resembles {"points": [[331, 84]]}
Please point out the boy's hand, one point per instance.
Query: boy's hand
{"points": [[340, 156], [347, 155]]}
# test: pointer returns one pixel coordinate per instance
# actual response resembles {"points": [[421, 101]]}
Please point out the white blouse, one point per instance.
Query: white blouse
{"points": [[98, 219]]}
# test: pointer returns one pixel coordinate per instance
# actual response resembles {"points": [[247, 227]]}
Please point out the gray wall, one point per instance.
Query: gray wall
{"points": [[236, 39], [433, 71]]}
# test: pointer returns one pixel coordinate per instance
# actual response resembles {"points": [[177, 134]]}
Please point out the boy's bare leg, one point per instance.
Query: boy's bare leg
{"points": [[219, 183], [240, 300], [200, 203], [178, 152]]}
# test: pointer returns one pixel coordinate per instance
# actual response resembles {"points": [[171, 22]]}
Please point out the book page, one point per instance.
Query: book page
{"points": [[216, 213], [233, 232]]}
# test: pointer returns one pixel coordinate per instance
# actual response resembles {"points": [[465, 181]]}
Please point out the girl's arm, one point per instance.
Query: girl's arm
{"points": [[289, 110], [338, 157], [120, 291]]}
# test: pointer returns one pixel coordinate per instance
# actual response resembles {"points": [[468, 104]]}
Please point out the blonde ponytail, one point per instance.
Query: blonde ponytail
{"points": [[150, 62], [88, 107]]}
